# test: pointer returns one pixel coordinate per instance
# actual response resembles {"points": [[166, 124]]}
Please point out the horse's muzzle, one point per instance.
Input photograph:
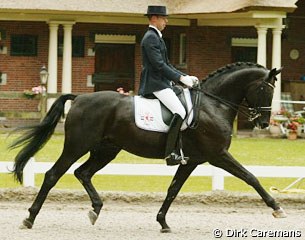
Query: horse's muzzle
{"points": [[260, 123], [264, 125]]}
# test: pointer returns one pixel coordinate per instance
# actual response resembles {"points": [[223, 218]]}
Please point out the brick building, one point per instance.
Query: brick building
{"points": [[95, 45]]}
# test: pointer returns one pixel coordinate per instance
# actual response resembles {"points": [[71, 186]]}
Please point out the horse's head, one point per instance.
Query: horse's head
{"points": [[259, 97]]}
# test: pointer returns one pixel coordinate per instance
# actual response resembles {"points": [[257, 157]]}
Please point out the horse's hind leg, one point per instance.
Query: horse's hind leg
{"points": [[98, 159], [182, 174], [228, 163], [51, 177]]}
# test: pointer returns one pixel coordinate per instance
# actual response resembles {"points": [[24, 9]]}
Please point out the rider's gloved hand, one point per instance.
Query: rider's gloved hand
{"points": [[187, 80], [195, 80]]}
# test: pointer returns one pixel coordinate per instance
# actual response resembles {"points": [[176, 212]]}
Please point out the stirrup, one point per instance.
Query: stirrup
{"points": [[175, 159]]}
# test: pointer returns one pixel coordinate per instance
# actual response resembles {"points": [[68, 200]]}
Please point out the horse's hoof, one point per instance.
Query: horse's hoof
{"points": [[92, 216], [26, 224], [280, 213], [165, 230]]}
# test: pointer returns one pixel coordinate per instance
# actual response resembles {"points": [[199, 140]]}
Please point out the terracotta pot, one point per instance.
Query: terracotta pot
{"points": [[292, 135]]}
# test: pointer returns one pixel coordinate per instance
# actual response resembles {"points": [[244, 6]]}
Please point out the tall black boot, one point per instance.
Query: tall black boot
{"points": [[171, 156]]}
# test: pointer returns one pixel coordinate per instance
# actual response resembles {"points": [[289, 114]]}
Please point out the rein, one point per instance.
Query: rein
{"points": [[254, 112]]}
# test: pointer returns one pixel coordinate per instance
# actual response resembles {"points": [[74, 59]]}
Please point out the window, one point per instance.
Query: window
{"points": [[244, 49], [78, 46], [182, 49], [24, 45]]}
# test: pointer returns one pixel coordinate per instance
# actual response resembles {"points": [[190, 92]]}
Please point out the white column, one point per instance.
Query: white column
{"points": [[67, 62], [262, 46], [276, 63], [52, 62]]}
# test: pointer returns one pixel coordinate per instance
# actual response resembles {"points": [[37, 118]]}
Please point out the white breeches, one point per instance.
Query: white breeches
{"points": [[171, 101]]}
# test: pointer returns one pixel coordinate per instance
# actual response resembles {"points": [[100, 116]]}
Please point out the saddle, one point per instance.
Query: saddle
{"points": [[152, 115]]}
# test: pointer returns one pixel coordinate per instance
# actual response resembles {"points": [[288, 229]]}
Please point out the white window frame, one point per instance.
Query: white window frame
{"points": [[244, 42], [119, 39], [182, 50]]}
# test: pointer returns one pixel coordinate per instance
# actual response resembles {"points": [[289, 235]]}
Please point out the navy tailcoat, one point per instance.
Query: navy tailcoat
{"points": [[157, 73]]}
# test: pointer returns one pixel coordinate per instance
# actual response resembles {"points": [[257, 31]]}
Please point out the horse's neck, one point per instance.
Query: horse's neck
{"points": [[229, 89], [227, 94]]}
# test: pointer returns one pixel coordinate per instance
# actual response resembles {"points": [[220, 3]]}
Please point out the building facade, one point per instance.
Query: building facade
{"points": [[94, 46]]}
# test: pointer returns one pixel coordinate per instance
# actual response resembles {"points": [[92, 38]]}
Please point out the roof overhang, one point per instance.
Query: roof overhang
{"points": [[83, 17], [251, 18], [207, 13]]}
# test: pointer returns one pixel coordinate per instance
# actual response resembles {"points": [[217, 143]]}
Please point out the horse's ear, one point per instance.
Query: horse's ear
{"points": [[279, 70], [274, 72]]}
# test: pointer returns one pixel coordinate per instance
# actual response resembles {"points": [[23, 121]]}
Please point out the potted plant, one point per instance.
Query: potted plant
{"points": [[292, 130], [276, 125], [35, 91], [275, 128], [300, 122]]}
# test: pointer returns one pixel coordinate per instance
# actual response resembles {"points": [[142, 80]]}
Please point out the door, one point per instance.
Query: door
{"points": [[114, 67], [244, 54]]}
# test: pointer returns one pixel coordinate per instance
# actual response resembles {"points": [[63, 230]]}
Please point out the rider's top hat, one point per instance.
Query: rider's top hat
{"points": [[156, 10]]}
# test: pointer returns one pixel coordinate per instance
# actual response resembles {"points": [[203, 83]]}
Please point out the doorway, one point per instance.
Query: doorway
{"points": [[114, 66]]}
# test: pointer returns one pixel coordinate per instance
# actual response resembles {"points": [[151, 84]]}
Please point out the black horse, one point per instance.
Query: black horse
{"points": [[102, 123]]}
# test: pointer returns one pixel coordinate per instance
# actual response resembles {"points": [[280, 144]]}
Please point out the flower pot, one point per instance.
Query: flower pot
{"points": [[292, 135], [275, 131]]}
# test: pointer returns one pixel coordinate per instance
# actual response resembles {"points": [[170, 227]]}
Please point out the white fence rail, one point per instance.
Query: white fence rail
{"points": [[217, 174]]}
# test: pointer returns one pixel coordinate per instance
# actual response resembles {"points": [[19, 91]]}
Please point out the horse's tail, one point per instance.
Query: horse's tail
{"points": [[36, 136]]}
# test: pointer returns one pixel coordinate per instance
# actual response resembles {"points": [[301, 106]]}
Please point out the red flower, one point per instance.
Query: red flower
{"points": [[293, 126]]}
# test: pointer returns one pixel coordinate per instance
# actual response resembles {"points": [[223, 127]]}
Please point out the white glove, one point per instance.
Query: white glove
{"points": [[195, 80], [187, 80]]}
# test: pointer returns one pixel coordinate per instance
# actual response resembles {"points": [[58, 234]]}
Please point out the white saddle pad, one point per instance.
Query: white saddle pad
{"points": [[148, 114]]}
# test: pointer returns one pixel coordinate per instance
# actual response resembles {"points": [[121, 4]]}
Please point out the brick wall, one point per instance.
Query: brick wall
{"points": [[294, 38], [208, 48]]}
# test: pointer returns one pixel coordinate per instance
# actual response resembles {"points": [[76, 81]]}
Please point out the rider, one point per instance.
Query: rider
{"points": [[157, 77]]}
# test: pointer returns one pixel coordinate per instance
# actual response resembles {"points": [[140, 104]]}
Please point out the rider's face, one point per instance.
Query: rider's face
{"points": [[161, 22]]}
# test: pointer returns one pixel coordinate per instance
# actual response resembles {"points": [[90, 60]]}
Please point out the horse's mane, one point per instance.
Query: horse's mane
{"points": [[232, 67]]}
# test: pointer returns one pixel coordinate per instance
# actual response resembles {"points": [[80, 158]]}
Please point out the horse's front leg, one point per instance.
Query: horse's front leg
{"points": [[228, 163], [179, 179]]}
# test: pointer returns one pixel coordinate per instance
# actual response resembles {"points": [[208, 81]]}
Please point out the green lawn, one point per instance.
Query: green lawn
{"points": [[249, 151]]}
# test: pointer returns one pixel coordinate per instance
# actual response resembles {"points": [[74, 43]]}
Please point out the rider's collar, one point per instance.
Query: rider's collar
{"points": [[158, 31]]}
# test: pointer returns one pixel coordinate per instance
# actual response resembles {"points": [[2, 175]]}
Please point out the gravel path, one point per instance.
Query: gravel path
{"points": [[134, 218]]}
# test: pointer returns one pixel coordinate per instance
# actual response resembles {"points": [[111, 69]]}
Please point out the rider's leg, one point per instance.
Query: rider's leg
{"points": [[172, 102], [171, 155]]}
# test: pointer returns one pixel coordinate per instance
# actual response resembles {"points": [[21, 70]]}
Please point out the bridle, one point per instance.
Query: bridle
{"points": [[256, 112], [253, 112]]}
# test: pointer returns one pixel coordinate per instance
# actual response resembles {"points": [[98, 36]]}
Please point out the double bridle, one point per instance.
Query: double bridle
{"points": [[253, 112]]}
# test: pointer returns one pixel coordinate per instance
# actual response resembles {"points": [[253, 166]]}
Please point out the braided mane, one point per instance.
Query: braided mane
{"points": [[232, 66]]}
